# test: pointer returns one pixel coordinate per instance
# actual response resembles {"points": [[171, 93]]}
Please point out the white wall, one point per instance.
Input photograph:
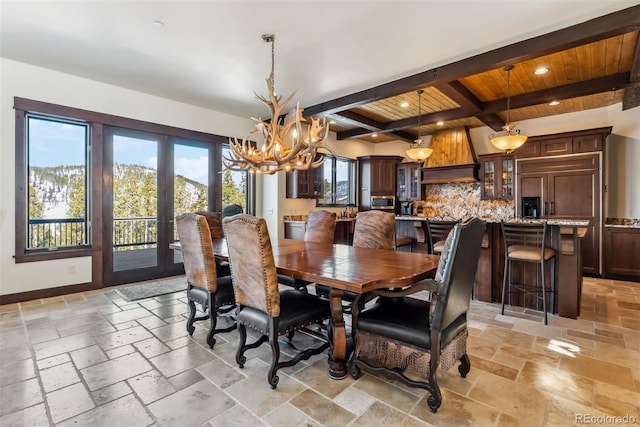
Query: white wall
{"points": [[26, 81]]}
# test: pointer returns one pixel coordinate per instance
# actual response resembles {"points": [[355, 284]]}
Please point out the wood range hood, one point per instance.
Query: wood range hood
{"points": [[452, 160]]}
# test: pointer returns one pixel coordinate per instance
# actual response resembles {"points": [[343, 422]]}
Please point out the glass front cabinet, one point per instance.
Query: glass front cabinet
{"points": [[409, 187], [497, 176]]}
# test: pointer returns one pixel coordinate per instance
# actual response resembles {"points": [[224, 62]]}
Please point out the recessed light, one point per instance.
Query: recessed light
{"points": [[374, 135], [554, 103], [440, 123], [158, 24], [404, 104], [540, 71]]}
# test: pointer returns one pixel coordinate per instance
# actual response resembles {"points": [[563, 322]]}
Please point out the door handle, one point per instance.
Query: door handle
{"points": [[545, 209], [551, 213]]}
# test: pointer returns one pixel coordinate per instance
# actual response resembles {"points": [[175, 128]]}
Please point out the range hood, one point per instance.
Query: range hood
{"points": [[452, 160]]}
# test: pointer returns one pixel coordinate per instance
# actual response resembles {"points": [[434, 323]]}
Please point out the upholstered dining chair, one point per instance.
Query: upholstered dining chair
{"points": [[212, 292], [321, 228], [438, 232], [261, 306], [407, 338], [230, 210], [375, 229], [214, 219]]}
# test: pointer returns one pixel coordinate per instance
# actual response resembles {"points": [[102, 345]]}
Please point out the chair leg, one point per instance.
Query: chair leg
{"points": [[504, 283], [192, 317], [240, 359], [553, 284], [435, 399], [544, 292], [272, 376], [465, 365], [213, 320]]}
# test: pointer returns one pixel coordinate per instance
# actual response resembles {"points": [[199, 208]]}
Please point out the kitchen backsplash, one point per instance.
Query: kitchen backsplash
{"points": [[623, 221], [462, 200]]}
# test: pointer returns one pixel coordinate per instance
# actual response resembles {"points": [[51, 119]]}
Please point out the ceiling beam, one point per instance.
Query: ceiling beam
{"points": [[606, 26], [573, 90], [365, 122], [466, 99], [631, 96], [361, 132]]}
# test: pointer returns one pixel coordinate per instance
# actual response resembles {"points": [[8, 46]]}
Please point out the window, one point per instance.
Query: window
{"points": [[66, 171], [57, 213], [339, 182], [234, 185]]}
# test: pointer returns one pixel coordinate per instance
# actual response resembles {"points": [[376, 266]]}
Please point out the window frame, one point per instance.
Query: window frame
{"points": [[352, 182], [87, 177], [96, 121]]}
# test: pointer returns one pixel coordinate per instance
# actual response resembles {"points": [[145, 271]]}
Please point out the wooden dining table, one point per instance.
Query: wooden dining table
{"points": [[344, 268]]}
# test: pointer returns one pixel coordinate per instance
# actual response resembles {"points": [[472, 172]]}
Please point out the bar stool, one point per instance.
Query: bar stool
{"points": [[525, 243], [404, 241], [438, 232]]}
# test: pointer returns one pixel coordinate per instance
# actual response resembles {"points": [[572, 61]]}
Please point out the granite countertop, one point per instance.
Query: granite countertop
{"points": [[302, 219], [554, 221], [622, 226]]}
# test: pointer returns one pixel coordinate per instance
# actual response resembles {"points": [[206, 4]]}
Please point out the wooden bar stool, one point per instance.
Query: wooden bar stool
{"points": [[525, 243], [438, 232], [404, 241]]}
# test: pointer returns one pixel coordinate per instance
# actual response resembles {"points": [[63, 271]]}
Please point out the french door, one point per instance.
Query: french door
{"points": [[149, 179]]}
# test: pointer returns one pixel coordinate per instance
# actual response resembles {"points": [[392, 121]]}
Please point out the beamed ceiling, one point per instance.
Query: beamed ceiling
{"points": [[593, 64]]}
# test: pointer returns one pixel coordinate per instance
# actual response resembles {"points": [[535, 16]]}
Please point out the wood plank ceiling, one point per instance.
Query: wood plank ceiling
{"points": [[593, 64]]}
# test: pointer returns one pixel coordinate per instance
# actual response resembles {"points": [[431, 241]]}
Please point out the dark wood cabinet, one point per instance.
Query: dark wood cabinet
{"points": [[409, 177], [556, 146], [376, 177], [567, 187], [622, 253], [588, 143], [583, 141], [344, 232], [497, 176], [304, 184], [529, 149]]}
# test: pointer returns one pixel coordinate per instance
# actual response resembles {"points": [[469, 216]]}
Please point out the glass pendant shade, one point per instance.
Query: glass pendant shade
{"points": [[508, 142], [419, 153]]}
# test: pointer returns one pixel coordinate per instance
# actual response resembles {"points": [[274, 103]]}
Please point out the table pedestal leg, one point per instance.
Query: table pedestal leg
{"points": [[337, 359]]}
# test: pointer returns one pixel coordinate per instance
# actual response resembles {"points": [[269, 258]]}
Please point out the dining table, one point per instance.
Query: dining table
{"points": [[343, 268]]}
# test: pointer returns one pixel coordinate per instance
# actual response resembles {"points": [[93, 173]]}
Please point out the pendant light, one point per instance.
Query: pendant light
{"points": [[512, 139], [419, 152]]}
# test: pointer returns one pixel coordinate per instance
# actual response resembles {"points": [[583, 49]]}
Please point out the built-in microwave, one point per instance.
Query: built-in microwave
{"points": [[383, 202]]}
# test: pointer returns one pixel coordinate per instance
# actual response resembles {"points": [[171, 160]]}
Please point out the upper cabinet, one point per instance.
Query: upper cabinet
{"points": [[409, 177], [584, 141], [376, 177], [497, 176], [304, 184]]}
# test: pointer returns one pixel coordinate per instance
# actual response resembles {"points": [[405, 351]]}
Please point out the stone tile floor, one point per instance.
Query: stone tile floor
{"points": [[94, 359]]}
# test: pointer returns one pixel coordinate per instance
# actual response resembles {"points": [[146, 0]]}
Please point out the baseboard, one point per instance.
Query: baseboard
{"points": [[45, 293]]}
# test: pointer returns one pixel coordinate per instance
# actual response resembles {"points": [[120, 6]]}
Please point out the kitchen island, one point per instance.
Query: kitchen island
{"points": [[564, 235]]}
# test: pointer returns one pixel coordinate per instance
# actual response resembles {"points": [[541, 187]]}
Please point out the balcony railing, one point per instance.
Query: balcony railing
{"points": [[139, 232]]}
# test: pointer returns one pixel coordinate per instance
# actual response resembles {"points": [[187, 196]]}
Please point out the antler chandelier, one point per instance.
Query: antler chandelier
{"points": [[285, 146]]}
